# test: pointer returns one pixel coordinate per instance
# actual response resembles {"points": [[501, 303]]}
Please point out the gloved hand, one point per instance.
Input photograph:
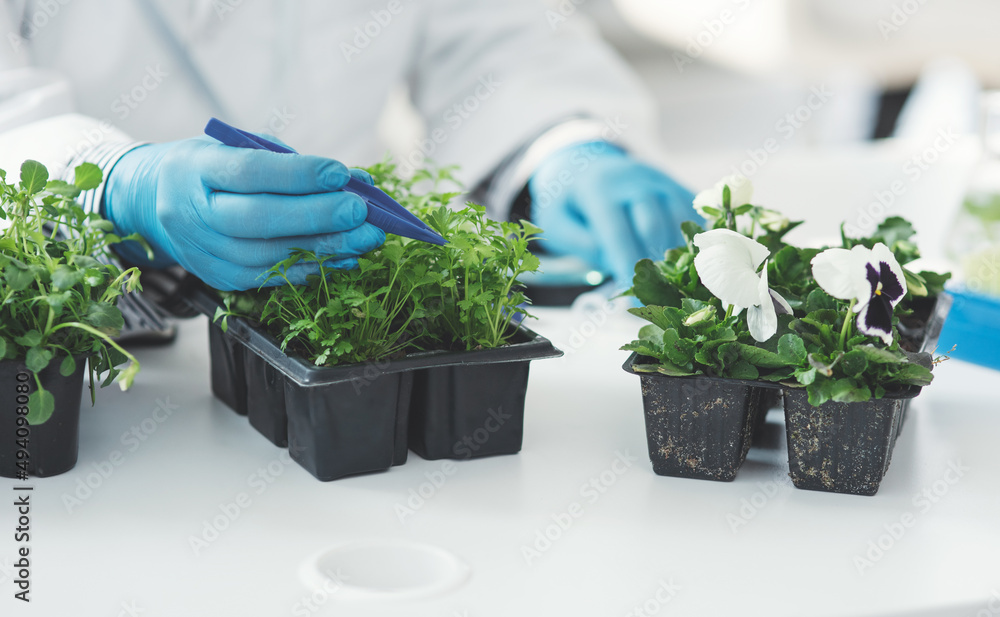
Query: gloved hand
{"points": [[228, 214], [595, 201]]}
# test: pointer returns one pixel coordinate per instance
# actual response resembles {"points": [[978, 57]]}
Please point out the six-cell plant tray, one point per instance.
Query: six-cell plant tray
{"points": [[702, 427], [359, 418]]}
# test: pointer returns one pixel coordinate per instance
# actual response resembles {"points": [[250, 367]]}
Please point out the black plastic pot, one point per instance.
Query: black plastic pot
{"points": [[928, 335], [352, 419], [52, 447], [842, 447], [265, 399], [699, 427], [228, 374], [471, 410]]}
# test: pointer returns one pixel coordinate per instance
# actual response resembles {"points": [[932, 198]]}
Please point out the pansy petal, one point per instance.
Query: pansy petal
{"points": [[755, 251], [841, 273], [726, 272], [885, 262], [781, 306], [876, 319], [762, 319]]}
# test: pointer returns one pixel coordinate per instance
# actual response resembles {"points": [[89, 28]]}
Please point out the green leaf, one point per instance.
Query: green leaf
{"points": [[792, 350], [914, 374], [818, 300], [87, 176], [846, 390], [743, 370], [104, 316], [669, 369], [3, 348], [31, 338], [65, 277], [86, 262], [650, 286], [667, 318], [712, 212], [854, 363], [760, 357], [806, 376], [915, 284], [37, 359], [877, 355], [18, 279], [68, 366], [63, 188], [690, 229], [894, 229], [33, 176], [679, 351], [41, 404]]}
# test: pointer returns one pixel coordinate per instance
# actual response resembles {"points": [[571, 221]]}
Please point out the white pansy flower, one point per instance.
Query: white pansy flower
{"points": [[727, 264]]}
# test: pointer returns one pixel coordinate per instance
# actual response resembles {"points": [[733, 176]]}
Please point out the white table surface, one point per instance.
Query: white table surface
{"points": [[128, 545]]}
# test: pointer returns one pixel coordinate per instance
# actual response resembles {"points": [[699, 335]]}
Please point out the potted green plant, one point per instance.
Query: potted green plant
{"points": [[418, 348], [57, 315], [706, 377]]}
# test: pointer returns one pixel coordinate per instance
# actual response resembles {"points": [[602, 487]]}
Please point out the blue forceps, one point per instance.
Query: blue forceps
{"points": [[384, 212]]}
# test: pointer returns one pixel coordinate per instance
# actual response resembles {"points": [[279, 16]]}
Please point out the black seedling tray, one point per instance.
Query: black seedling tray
{"points": [[344, 420], [699, 426]]}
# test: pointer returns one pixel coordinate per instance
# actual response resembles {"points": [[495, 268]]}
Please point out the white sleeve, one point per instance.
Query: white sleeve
{"points": [[489, 78]]}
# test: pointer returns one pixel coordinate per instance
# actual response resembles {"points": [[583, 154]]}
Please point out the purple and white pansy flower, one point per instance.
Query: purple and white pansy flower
{"points": [[727, 263], [871, 278]]}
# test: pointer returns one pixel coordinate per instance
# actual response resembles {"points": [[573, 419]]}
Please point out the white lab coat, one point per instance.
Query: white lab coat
{"points": [[486, 77]]}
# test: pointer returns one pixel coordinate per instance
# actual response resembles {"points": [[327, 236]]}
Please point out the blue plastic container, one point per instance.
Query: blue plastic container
{"points": [[973, 327]]}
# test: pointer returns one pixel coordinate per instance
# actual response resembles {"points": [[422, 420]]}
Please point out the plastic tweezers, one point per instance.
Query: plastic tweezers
{"points": [[384, 212]]}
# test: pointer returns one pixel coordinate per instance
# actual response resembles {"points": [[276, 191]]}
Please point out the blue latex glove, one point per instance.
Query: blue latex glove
{"points": [[228, 214], [595, 201]]}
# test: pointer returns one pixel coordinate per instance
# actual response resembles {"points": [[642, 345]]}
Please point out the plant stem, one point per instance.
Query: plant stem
{"points": [[846, 326], [729, 311]]}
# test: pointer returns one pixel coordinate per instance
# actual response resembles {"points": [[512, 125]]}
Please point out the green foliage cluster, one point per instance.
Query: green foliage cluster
{"points": [[406, 295], [57, 301], [690, 332]]}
